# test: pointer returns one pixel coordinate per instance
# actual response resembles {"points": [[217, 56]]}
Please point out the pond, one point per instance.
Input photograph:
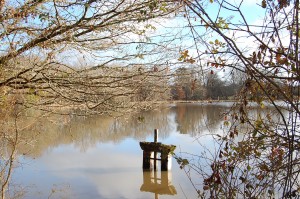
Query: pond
{"points": [[100, 157]]}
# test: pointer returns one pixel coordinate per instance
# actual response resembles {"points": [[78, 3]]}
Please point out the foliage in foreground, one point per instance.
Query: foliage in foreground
{"points": [[260, 160], [84, 56], [87, 55]]}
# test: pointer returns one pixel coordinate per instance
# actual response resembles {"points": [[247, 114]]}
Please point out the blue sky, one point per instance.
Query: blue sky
{"points": [[171, 27]]}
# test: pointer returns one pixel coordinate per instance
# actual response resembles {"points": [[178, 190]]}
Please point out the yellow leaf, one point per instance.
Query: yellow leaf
{"points": [[262, 105]]}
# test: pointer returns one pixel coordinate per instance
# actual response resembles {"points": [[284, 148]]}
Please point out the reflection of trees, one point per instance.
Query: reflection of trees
{"points": [[10, 139], [85, 132], [36, 134], [195, 118]]}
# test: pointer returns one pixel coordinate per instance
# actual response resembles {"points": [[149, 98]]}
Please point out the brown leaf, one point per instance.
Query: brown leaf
{"points": [[264, 4]]}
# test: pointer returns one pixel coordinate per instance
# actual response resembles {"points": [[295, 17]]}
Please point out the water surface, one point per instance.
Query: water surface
{"points": [[100, 157]]}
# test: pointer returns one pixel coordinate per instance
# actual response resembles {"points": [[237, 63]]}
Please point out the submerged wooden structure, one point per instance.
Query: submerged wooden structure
{"points": [[159, 185], [150, 151]]}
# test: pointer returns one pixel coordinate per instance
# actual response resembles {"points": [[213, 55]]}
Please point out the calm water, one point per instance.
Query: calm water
{"points": [[100, 157]]}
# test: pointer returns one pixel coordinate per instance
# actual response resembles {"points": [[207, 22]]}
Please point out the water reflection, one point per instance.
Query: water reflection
{"points": [[100, 157], [85, 133], [159, 185], [195, 119]]}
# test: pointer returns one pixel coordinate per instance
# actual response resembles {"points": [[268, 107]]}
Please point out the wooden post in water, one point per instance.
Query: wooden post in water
{"points": [[164, 161], [155, 147], [155, 135], [146, 159], [165, 151], [155, 153]]}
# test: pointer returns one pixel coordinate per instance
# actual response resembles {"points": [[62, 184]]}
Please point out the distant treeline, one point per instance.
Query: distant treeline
{"points": [[190, 85]]}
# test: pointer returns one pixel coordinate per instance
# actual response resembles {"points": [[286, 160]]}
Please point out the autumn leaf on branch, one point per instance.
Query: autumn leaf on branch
{"points": [[185, 57]]}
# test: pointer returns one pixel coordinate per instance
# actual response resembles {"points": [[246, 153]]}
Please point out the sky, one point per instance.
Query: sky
{"points": [[251, 11], [176, 27], [161, 32]]}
